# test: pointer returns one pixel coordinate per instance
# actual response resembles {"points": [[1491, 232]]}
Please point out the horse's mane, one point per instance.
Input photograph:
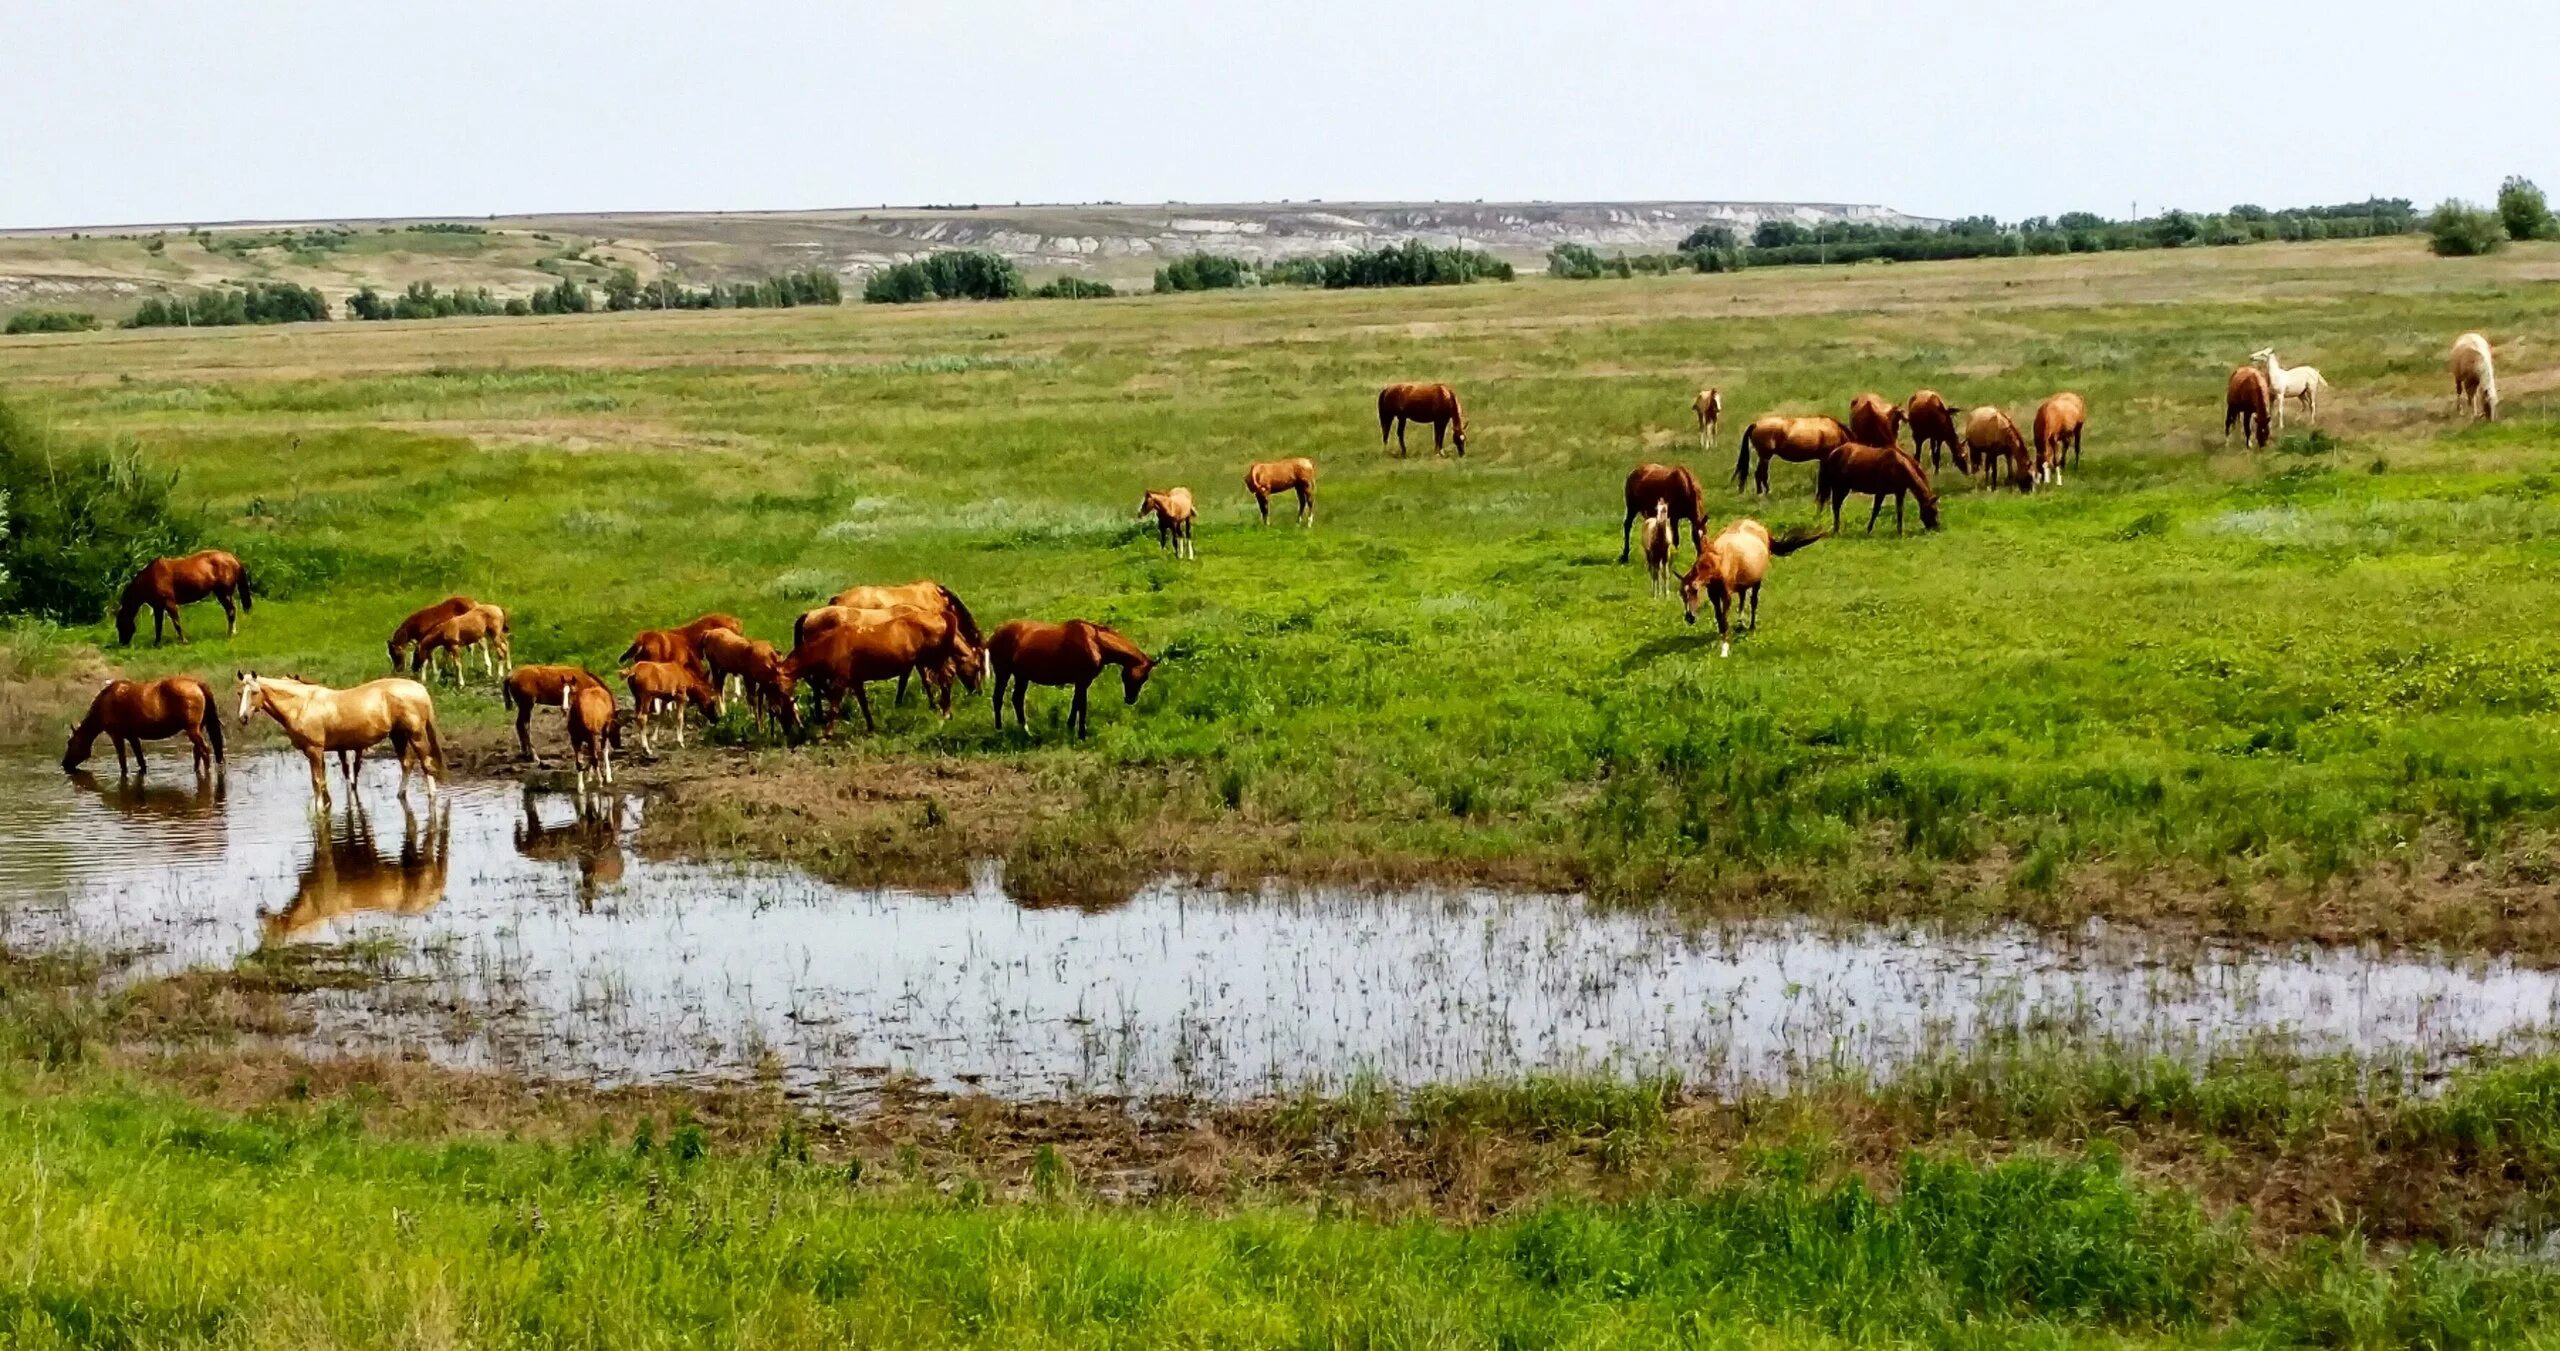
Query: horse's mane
{"points": [[960, 615]]}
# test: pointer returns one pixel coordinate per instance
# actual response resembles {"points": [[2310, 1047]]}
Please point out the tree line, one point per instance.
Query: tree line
{"points": [[1412, 263]]}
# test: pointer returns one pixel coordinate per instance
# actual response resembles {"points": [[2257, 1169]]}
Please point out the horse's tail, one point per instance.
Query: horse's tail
{"points": [[212, 720], [435, 745], [244, 588], [1386, 414], [960, 615], [1794, 540], [1742, 460]]}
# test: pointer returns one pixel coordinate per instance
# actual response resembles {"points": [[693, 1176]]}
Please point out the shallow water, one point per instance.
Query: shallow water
{"points": [[529, 935]]}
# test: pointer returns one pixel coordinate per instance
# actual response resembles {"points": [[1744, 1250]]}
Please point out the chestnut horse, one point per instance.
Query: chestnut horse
{"points": [[1780, 437], [751, 662], [658, 686], [318, 719], [679, 644], [1881, 472], [956, 658], [926, 594], [2059, 422], [2245, 402], [1174, 515], [131, 712], [1874, 422], [1651, 484], [595, 730], [1027, 652], [530, 687], [1271, 476], [422, 623], [171, 582], [1435, 404], [483, 627], [1730, 569], [1993, 437], [1933, 429], [1709, 406], [845, 657]]}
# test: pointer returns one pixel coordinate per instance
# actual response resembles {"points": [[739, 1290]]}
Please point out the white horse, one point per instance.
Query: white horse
{"points": [[2290, 383], [1709, 406], [2475, 376]]}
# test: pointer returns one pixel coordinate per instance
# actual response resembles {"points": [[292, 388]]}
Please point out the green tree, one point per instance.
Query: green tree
{"points": [[2458, 229], [2524, 210], [1575, 262]]}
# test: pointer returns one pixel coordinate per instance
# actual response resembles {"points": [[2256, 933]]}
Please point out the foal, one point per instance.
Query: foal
{"points": [[1659, 532], [1272, 476], [1174, 514]]}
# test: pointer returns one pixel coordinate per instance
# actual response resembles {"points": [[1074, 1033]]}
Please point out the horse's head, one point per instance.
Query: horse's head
{"points": [[252, 693], [125, 612], [2263, 355], [970, 664], [1701, 584], [1133, 678], [83, 736]]}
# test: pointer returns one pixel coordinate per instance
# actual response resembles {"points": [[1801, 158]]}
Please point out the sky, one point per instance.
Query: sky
{"points": [[138, 112]]}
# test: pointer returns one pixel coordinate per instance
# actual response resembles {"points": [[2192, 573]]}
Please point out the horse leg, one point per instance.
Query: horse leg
{"points": [[1897, 515], [1627, 536], [1401, 452], [1724, 624], [1263, 500], [1439, 439], [1021, 720], [1306, 506], [1873, 514], [861, 695], [1079, 721], [203, 756], [998, 683], [319, 776], [230, 616], [139, 768]]}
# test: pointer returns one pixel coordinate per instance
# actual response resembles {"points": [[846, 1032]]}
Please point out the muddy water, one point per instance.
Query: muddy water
{"points": [[523, 933]]}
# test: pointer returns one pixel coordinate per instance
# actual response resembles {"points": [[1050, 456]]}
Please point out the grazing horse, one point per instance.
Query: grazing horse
{"points": [[1880, 472], [1730, 570], [1435, 404], [1709, 406], [926, 594], [2475, 376], [318, 719], [1272, 476], [1027, 652], [1660, 533], [751, 662], [658, 686], [2297, 384], [348, 873], [483, 627], [1174, 515], [530, 687], [955, 657], [1933, 429], [1993, 437], [1874, 422], [1780, 437], [595, 730], [131, 712], [2245, 402], [168, 583], [422, 623], [843, 658], [1672, 485], [2059, 422], [680, 645]]}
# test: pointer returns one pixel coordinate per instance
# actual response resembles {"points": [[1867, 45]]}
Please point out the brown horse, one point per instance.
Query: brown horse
{"points": [[2059, 422], [1993, 437], [2245, 401], [348, 873], [1435, 404], [1881, 472], [1174, 516], [1933, 429], [131, 712], [1029, 653], [1730, 570], [171, 582], [680, 645], [1777, 436], [318, 719], [483, 627], [1649, 484], [1709, 406], [751, 662], [924, 593], [660, 686], [1272, 476], [1874, 422], [530, 687], [595, 730], [956, 657], [843, 659], [422, 623]]}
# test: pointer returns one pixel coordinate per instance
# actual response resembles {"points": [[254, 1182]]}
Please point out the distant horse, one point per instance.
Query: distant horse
{"points": [[1028, 653], [1174, 515], [130, 712], [844, 658], [318, 719], [1880, 472], [1933, 429], [660, 686], [595, 730], [1780, 437], [167, 583], [530, 687], [422, 623], [1993, 437], [1874, 422], [1273, 476], [1709, 406], [1649, 485], [349, 874], [2291, 384], [2245, 402], [483, 627], [2475, 376], [2059, 422], [1730, 569], [1661, 531], [1435, 404]]}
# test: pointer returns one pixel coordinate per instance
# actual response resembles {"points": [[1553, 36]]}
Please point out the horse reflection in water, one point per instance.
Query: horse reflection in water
{"points": [[349, 872], [592, 838], [155, 799]]}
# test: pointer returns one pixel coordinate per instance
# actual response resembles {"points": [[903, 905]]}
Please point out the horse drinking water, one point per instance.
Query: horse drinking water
{"points": [[130, 712]]}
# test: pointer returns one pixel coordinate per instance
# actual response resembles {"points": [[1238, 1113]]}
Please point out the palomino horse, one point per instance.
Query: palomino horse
{"points": [[1880, 472], [1435, 404], [131, 712], [168, 583], [1660, 533], [843, 659], [595, 730], [1709, 406], [1779, 437], [2059, 422], [1272, 476], [2291, 384], [348, 873], [1029, 653], [1993, 438], [483, 627], [1730, 570], [1651, 485], [1174, 516], [530, 687], [1933, 429], [422, 623], [318, 719], [954, 656], [2245, 402], [2475, 376], [1874, 422]]}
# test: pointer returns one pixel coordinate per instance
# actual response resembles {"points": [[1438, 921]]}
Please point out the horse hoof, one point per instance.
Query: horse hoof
{"points": [[1724, 649]]}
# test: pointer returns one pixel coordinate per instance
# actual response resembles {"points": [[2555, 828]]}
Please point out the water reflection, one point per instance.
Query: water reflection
{"points": [[592, 839], [348, 871], [137, 796]]}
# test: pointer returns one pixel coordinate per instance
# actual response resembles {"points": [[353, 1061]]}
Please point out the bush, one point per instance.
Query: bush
{"points": [[1074, 288], [1713, 238], [1210, 272], [1575, 262], [76, 525], [260, 302], [965, 274], [2521, 206], [52, 321], [2460, 230]]}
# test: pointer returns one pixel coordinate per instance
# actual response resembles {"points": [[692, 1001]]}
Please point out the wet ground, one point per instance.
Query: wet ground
{"points": [[522, 931]]}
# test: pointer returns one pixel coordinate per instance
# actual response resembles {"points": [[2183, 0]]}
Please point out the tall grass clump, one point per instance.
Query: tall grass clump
{"points": [[52, 321], [76, 524], [959, 274], [2457, 229]]}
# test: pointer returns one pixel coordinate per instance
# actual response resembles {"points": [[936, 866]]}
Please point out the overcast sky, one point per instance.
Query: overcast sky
{"points": [[116, 112]]}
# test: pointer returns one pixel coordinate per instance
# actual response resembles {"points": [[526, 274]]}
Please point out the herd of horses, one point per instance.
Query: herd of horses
{"points": [[922, 631]]}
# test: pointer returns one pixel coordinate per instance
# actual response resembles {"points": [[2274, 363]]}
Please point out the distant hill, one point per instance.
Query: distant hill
{"points": [[111, 269]]}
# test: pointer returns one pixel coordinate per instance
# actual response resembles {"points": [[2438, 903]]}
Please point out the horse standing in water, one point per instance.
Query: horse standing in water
{"points": [[1274, 476], [1649, 485], [1029, 653], [1730, 569], [131, 712], [1880, 472], [1435, 404], [1174, 516], [318, 719], [168, 583], [1779, 437]]}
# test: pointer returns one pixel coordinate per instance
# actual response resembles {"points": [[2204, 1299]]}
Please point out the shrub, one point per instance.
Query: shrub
{"points": [[1710, 237], [367, 303], [2458, 229], [1575, 262], [1210, 272], [2521, 206], [75, 525], [52, 321], [961, 274], [1074, 288]]}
